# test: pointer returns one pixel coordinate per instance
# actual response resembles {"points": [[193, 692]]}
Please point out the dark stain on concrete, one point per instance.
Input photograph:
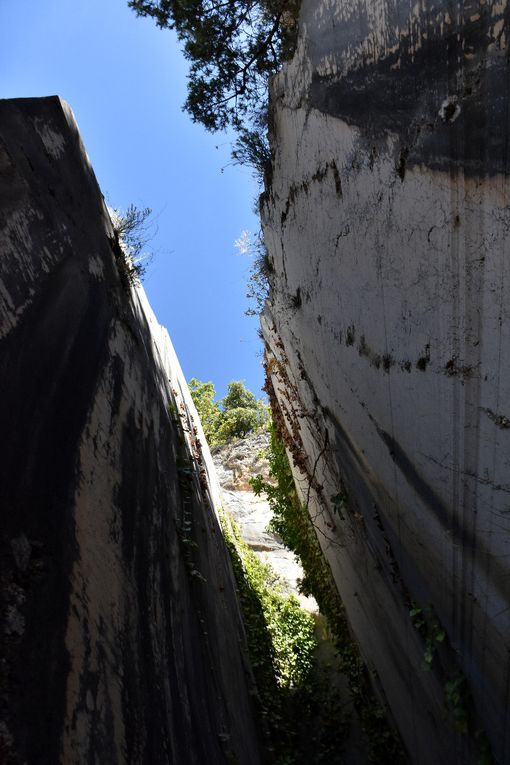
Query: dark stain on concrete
{"points": [[350, 335], [446, 97], [424, 360], [49, 368], [498, 419], [401, 167], [413, 477], [454, 369]]}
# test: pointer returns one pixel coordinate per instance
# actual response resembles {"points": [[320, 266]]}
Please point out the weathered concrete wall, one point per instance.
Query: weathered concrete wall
{"points": [[388, 339], [121, 640]]}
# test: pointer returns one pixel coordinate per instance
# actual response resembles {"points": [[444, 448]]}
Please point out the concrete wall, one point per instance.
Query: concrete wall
{"points": [[388, 338], [121, 638]]}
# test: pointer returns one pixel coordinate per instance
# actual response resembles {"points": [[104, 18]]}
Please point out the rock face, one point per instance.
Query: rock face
{"points": [[235, 463], [388, 343], [121, 640]]}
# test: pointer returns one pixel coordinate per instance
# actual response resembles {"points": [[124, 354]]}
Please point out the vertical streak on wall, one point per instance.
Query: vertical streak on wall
{"points": [[388, 336]]}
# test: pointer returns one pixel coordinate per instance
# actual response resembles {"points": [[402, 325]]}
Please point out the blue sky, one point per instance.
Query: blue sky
{"points": [[125, 80]]}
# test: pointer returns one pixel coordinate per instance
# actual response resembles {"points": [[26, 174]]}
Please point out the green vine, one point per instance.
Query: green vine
{"points": [[294, 690], [459, 704], [429, 627], [292, 523]]}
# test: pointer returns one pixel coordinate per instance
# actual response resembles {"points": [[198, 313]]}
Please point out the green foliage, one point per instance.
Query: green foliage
{"points": [[300, 707], [233, 46], [132, 231], [292, 634], [457, 699], [459, 703], [237, 423], [234, 416], [260, 273], [461, 712], [292, 522], [252, 147], [239, 397], [429, 627], [203, 395]]}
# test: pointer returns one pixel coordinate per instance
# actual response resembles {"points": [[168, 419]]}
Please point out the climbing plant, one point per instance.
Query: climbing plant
{"points": [[233, 48], [132, 231], [292, 522], [301, 709]]}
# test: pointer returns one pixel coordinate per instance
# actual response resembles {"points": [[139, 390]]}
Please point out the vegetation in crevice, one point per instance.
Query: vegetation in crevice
{"points": [[458, 700], [293, 524], [301, 708], [132, 231], [261, 270]]}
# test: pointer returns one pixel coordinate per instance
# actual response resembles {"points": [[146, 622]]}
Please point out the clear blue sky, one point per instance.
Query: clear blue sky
{"points": [[125, 80]]}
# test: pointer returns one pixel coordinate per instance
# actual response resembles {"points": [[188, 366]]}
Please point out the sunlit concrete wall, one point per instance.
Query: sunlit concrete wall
{"points": [[121, 640], [388, 338]]}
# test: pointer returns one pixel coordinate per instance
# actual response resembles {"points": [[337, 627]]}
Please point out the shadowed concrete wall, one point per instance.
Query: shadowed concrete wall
{"points": [[121, 640], [388, 342]]}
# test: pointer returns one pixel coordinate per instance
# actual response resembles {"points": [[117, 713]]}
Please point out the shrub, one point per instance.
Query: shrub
{"points": [[258, 286], [203, 395], [234, 416], [132, 231]]}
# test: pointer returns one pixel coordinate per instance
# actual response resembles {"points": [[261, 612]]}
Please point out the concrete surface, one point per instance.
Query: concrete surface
{"points": [[121, 639], [388, 341]]}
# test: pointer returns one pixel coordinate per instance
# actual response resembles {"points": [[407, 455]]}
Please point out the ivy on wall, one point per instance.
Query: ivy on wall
{"points": [[293, 524]]}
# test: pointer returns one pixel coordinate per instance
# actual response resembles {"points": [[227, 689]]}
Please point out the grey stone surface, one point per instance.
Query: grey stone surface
{"points": [[235, 463], [121, 639], [388, 339]]}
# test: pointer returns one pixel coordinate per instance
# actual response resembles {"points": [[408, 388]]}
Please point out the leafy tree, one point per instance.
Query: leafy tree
{"points": [[234, 46], [203, 395], [236, 415], [241, 412], [237, 423], [239, 396], [258, 286]]}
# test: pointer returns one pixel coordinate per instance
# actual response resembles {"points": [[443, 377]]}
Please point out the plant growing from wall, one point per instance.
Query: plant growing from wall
{"points": [[301, 709], [459, 704], [292, 522], [261, 269], [132, 231], [429, 627]]}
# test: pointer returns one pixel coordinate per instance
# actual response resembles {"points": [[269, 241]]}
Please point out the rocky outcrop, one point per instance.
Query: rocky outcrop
{"points": [[121, 639], [235, 463], [387, 344]]}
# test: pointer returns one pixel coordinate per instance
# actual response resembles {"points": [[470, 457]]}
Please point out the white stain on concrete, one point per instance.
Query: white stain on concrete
{"points": [[54, 143]]}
